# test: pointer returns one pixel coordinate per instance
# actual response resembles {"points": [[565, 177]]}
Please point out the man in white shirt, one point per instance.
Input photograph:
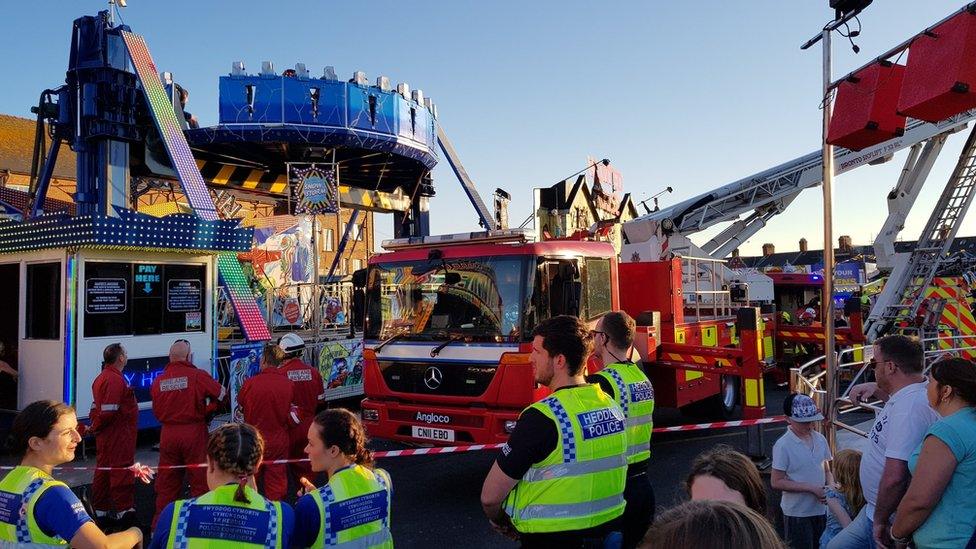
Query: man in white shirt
{"points": [[897, 431]]}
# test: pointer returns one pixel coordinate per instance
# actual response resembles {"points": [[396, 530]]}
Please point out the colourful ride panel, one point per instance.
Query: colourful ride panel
{"points": [[169, 128]]}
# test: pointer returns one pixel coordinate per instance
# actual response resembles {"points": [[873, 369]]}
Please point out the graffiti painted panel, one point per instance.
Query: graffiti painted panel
{"points": [[341, 364], [245, 361]]}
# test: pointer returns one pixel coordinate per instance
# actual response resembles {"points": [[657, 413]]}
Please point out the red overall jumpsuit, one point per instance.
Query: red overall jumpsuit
{"points": [[309, 393], [179, 398], [266, 399], [114, 421]]}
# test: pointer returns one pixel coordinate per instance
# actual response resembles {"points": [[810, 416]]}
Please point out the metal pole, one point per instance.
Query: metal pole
{"points": [[827, 298], [316, 287]]}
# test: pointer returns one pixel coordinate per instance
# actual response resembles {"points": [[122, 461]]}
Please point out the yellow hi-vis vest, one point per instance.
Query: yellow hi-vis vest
{"points": [[216, 520], [635, 395], [354, 509], [581, 483], [19, 492]]}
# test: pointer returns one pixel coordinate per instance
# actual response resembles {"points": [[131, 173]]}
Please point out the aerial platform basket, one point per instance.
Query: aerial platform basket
{"points": [[865, 112], [940, 77]]}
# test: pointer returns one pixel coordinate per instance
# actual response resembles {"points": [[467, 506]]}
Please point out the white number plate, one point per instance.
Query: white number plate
{"points": [[431, 433]]}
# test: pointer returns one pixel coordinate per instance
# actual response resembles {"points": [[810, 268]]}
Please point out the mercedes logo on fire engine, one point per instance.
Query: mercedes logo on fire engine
{"points": [[433, 377]]}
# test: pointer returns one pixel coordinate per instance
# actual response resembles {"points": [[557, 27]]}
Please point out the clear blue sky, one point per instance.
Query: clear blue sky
{"points": [[688, 94]]}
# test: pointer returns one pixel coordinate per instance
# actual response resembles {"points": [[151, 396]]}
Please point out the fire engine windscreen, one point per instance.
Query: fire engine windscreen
{"points": [[415, 301]]}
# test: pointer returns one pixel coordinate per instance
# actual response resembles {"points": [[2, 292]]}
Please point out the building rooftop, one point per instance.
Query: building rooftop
{"points": [[17, 148], [961, 244]]}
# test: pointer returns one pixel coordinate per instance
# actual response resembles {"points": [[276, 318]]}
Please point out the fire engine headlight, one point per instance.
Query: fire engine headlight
{"points": [[510, 426], [370, 415]]}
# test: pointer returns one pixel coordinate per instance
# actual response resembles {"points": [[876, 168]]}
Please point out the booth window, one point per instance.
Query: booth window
{"points": [[43, 301], [107, 299], [144, 298]]}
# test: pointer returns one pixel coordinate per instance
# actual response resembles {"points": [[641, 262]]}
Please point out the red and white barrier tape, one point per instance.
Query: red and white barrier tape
{"points": [[146, 473], [720, 424], [437, 450]]}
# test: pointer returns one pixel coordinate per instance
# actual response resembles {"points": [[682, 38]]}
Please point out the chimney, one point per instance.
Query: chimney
{"points": [[735, 252], [768, 249], [844, 243], [803, 244]]}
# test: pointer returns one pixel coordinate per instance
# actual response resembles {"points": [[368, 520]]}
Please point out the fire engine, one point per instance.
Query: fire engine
{"points": [[450, 317]]}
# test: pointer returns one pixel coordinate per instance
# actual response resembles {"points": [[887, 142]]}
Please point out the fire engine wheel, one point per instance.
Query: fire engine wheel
{"points": [[725, 402]]}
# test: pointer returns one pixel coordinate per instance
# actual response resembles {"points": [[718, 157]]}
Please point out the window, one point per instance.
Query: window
{"points": [[328, 240], [556, 291], [597, 287], [356, 233], [414, 299], [43, 301], [360, 232], [108, 301], [343, 266], [144, 298], [357, 264]]}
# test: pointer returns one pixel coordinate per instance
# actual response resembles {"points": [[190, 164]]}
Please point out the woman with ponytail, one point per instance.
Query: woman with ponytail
{"points": [[354, 505], [232, 513]]}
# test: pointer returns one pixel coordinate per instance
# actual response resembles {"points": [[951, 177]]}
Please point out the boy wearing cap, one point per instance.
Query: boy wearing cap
{"points": [[801, 469]]}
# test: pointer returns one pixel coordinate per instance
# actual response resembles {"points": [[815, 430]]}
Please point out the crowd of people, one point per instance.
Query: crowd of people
{"points": [[573, 473]]}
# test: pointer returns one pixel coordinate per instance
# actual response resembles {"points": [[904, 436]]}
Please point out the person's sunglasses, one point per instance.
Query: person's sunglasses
{"points": [[874, 363]]}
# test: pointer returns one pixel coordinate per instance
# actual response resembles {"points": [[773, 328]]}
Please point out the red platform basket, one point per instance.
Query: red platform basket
{"points": [[865, 112], [940, 78]]}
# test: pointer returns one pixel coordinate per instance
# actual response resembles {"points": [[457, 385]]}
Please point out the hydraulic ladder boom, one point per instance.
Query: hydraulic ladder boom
{"points": [[766, 194], [904, 290]]}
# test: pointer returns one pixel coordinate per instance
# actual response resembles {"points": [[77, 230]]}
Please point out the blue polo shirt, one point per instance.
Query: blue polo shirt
{"points": [[953, 519], [59, 512]]}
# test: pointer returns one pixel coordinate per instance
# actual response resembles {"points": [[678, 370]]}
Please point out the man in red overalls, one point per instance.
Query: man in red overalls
{"points": [[309, 393], [266, 399], [180, 404], [114, 422]]}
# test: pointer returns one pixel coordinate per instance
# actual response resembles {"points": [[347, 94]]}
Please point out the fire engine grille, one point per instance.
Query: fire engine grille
{"points": [[439, 378]]}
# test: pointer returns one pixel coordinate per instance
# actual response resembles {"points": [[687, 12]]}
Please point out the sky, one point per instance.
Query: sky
{"points": [[691, 95]]}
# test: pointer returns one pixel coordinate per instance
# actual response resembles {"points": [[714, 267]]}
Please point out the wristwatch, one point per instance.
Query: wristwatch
{"points": [[905, 540]]}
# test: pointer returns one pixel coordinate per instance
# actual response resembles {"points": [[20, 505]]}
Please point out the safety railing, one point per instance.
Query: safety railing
{"points": [[810, 377], [315, 310], [705, 287]]}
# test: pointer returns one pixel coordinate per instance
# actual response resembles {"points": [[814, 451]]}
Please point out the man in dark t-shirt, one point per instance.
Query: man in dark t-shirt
{"points": [[518, 509]]}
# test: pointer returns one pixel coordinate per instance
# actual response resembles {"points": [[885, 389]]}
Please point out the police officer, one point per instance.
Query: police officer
{"points": [[337, 446], [309, 393], [267, 401], [180, 402], [232, 513], [114, 421], [35, 509], [626, 383], [559, 480]]}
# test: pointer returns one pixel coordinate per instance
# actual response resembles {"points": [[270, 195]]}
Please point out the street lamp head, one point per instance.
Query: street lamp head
{"points": [[843, 7]]}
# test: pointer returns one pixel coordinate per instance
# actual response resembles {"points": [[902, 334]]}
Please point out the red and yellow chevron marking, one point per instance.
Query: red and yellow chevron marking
{"points": [[958, 311], [697, 359], [802, 335]]}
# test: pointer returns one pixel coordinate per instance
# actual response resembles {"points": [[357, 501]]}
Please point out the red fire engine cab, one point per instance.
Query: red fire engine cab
{"points": [[449, 322]]}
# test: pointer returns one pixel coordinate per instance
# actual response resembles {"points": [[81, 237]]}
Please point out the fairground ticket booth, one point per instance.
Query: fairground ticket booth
{"points": [[70, 286]]}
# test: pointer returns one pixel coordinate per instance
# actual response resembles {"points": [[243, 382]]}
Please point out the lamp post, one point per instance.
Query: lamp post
{"points": [[827, 297]]}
